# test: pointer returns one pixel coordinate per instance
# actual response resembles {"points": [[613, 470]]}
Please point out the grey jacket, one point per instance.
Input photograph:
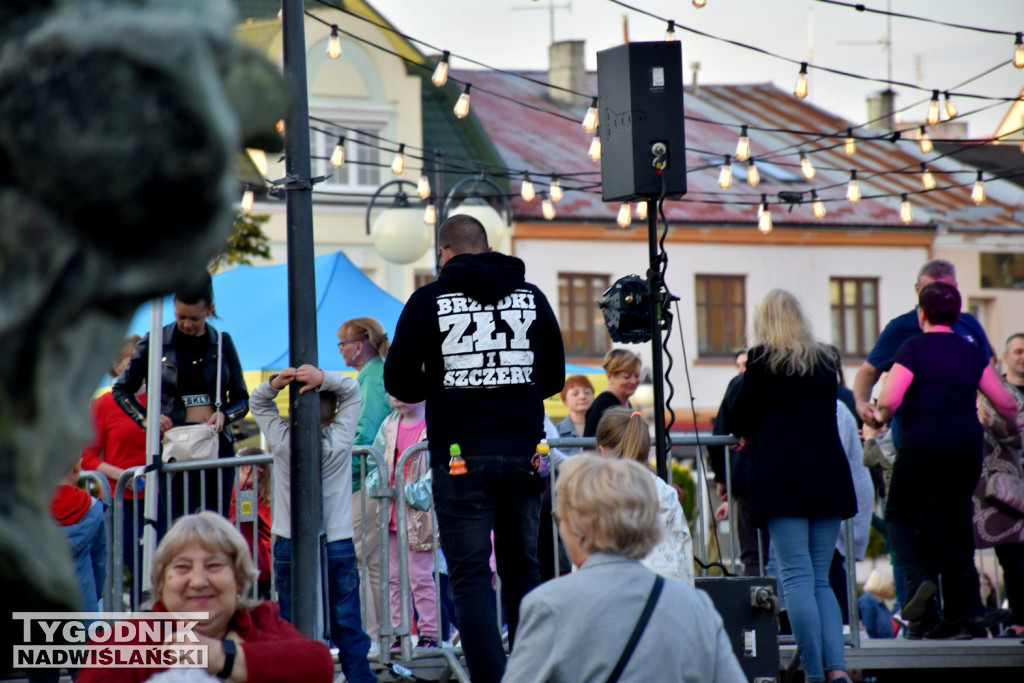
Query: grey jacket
{"points": [[573, 629]]}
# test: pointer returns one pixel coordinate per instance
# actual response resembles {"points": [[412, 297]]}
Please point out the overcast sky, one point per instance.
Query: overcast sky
{"points": [[514, 34]]}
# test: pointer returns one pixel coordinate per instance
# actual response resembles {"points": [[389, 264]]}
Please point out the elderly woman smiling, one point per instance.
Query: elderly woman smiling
{"points": [[203, 565], [608, 517]]}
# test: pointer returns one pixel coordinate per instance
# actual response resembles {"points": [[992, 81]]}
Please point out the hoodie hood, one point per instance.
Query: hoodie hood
{"points": [[487, 277]]}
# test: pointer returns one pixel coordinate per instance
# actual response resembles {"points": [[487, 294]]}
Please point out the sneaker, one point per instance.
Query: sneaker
{"points": [[426, 642], [396, 645], [957, 630], [916, 606], [989, 616], [374, 650]]}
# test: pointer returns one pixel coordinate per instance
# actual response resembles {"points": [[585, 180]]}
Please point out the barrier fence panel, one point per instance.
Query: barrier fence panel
{"points": [[92, 478]]}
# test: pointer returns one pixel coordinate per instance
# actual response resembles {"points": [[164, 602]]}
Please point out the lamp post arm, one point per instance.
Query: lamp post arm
{"points": [[380, 190], [443, 210]]}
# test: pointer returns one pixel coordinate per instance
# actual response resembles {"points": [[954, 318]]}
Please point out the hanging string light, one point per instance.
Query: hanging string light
{"points": [[764, 216], [742, 145], [817, 206], [1018, 51], [334, 43], [933, 109], [950, 107], [398, 163], [279, 125], [555, 189], [927, 179], [440, 76], [338, 155], [926, 142], [906, 211], [853, 189], [248, 198], [850, 146], [430, 214], [800, 92], [670, 33], [526, 190], [625, 216], [806, 166], [753, 177], [641, 210], [423, 186], [462, 105], [595, 146], [978, 191], [725, 175], [547, 208], [590, 119], [699, 3]]}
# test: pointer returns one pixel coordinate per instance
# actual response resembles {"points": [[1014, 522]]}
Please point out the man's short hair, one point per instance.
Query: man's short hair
{"points": [[1015, 335], [462, 234], [937, 269]]}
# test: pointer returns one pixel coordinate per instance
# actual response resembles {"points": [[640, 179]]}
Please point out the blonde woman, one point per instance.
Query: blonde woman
{"points": [[622, 433], [786, 412], [623, 370]]}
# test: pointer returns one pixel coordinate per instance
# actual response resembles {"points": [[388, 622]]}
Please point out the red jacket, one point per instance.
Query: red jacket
{"points": [[117, 440], [274, 652]]}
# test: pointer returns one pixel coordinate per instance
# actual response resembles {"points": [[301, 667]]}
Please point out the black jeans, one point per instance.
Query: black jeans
{"points": [[499, 493]]}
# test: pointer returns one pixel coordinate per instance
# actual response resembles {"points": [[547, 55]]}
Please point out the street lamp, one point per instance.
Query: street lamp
{"points": [[399, 233], [476, 206]]}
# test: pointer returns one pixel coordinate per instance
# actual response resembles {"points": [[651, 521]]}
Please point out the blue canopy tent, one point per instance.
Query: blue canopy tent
{"points": [[251, 303]]}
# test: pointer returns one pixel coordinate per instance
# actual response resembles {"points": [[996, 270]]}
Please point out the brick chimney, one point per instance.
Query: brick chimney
{"points": [[566, 69]]}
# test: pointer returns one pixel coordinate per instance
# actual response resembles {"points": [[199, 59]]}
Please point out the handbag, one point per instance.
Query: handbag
{"points": [[638, 630], [195, 442]]}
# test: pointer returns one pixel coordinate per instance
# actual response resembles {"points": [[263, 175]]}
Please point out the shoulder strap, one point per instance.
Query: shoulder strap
{"points": [[220, 366], [638, 630]]}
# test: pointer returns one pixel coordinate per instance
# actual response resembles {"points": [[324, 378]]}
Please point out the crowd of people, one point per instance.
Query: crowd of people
{"points": [[474, 355]]}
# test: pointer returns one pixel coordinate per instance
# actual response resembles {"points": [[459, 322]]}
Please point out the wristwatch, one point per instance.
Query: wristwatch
{"points": [[230, 649]]}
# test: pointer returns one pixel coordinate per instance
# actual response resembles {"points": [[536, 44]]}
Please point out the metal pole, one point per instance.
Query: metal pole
{"points": [[656, 294], [306, 495], [439, 203], [154, 383]]}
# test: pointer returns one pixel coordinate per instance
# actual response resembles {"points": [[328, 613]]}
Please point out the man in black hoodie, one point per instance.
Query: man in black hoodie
{"points": [[483, 348]]}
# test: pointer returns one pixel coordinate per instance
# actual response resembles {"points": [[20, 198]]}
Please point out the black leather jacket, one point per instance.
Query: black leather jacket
{"points": [[234, 395]]}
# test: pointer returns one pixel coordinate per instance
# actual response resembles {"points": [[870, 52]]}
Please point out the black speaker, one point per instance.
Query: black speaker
{"points": [[640, 113]]}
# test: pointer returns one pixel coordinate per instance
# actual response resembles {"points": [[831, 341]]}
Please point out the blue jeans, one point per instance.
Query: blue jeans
{"points": [[343, 598], [500, 493], [803, 550]]}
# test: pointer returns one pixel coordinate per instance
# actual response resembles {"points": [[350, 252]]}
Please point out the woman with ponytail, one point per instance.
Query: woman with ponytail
{"points": [[623, 433]]}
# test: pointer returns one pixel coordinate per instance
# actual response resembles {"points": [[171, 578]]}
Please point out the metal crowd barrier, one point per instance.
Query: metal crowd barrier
{"points": [[94, 478]]}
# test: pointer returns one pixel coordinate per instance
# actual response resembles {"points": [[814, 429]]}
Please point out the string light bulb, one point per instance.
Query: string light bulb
{"points": [[526, 190], [725, 176], [906, 211], [670, 32], [817, 206], [806, 166], [699, 3], [753, 177], [595, 146], [430, 215], [742, 145], [423, 186], [950, 107], [800, 92], [248, 198], [625, 216], [338, 155], [927, 179], [853, 189], [850, 146], [764, 216], [590, 119], [398, 163], [641, 210], [1018, 51], [978, 191], [334, 43], [547, 208], [555, 189], [440, 76], [279, 126], [926, 142], [462, 105], [933, 109]]}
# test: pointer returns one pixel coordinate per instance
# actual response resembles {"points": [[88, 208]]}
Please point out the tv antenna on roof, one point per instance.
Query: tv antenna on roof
{"points": [[550, 7]]}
